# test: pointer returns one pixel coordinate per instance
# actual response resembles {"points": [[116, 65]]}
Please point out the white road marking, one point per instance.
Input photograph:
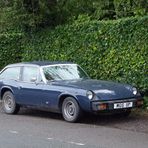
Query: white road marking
{"points": [[77, 143], [50, 138], [71, 142], [13, 132]]}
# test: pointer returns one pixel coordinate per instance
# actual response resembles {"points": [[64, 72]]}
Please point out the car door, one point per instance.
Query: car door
{"points": [[31, 86]]}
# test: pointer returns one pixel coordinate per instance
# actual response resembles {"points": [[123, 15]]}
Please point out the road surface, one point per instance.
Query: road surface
{"points": [[37, 129]]}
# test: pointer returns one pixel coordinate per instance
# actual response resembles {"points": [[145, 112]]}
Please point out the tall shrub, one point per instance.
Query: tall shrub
{"points": [[110, 50]]}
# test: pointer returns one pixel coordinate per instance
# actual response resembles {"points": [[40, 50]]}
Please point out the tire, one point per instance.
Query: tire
{"points": [[9, 104], [71, 110]]}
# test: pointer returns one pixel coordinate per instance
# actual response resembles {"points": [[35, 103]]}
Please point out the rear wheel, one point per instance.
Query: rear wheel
{"points": [[71, 110], [9, 104]]}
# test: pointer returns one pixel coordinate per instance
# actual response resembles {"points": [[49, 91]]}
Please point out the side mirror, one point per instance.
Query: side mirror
{"points": [[33, 79]]}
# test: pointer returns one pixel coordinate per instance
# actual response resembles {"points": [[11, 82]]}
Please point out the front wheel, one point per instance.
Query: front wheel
{"points": [[71, 110], [9, 104]]}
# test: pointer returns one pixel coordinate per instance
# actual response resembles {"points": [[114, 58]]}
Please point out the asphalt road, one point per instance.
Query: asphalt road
{"points": [[36, 129]]}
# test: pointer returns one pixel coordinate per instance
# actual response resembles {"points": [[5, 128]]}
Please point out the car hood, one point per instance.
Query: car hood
{"points": [[105, 90]]}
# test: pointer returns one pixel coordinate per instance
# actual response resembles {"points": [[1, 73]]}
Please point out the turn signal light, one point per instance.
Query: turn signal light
{"points": [[102, 107]]}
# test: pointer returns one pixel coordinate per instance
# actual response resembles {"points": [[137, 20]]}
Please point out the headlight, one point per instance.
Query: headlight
{"points": [[135, 91], [90, 95]]}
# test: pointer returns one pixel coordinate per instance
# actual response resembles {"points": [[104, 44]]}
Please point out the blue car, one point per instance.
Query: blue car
{"points": [[63, 87]]}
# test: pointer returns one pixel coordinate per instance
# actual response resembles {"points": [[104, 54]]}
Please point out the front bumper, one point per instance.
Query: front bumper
{"points": [[109, 105]]}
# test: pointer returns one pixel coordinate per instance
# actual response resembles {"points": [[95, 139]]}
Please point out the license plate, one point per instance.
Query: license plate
{"points": [[123, 105]]}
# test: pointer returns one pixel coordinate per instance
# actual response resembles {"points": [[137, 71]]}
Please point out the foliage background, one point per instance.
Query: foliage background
{"points": [[110, 50]]}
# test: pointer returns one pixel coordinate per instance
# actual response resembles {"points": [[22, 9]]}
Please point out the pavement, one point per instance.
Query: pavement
{"points": [[38, 129]]}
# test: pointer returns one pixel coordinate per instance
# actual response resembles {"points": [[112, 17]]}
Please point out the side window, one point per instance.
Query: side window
{"points": [[11, 73], [30, 73]]}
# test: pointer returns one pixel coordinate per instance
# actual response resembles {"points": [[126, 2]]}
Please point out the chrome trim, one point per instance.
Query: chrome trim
{"points": [[42, 75], [56, 65], [118, 101]]}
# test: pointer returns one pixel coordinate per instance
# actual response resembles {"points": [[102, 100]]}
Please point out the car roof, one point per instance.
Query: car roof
{"points": [[39, 63]]}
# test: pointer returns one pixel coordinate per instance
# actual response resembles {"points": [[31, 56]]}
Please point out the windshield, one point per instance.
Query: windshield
{"points": [[64, 72]]}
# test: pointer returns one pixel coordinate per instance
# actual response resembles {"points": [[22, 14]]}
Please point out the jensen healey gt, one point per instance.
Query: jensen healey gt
{"points": [[63, 87]]}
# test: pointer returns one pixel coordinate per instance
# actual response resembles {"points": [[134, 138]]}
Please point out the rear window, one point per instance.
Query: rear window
{"points": [[11, 73]]}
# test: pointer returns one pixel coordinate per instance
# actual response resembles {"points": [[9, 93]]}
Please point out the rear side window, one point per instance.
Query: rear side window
{"points": [[30, 73], [11, 73]]}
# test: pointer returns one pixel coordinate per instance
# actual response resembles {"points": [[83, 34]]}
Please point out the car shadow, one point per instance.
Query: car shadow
{"points": [[40, 113], [107, 120], [135, 122]]}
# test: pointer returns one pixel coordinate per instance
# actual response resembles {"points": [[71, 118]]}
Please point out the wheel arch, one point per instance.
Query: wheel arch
{"points": [[63, 97], [4, 89]]}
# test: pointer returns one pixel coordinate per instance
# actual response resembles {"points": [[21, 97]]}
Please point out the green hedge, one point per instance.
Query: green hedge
{"points": [[110, 50], [10, 48]]}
